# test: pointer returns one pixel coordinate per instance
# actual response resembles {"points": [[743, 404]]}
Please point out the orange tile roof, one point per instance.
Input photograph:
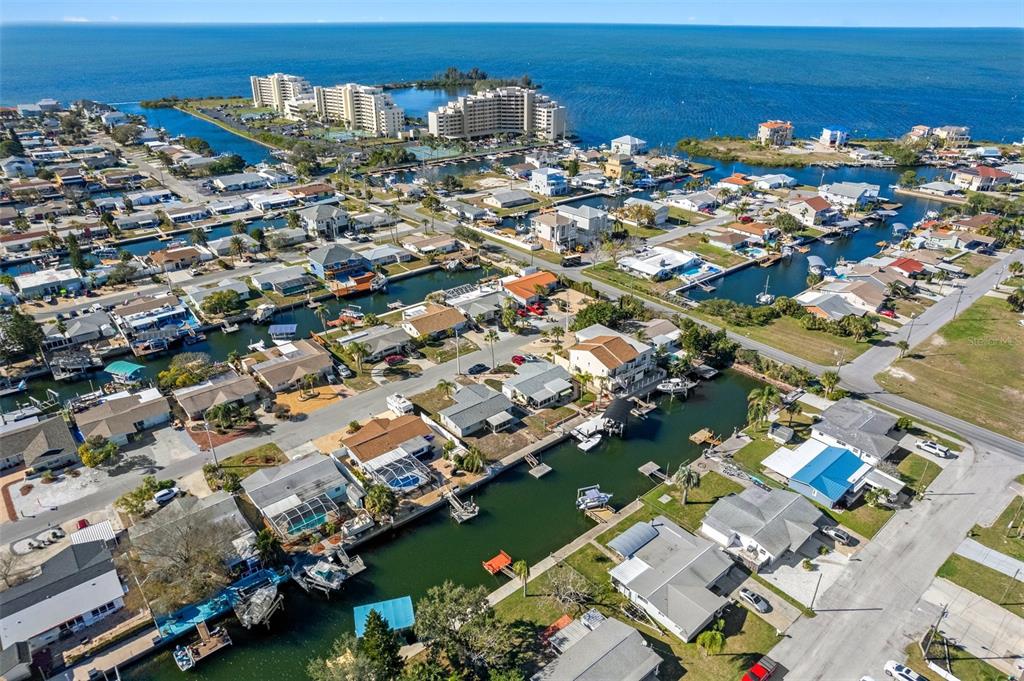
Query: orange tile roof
{"points": [[380, 436], [526, 287], [435, 320], [611, 351]]}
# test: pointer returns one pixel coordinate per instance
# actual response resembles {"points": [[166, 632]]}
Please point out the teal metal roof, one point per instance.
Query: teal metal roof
{"points": [[123, 368], [397, 612]]}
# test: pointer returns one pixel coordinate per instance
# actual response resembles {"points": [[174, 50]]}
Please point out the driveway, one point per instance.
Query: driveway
{"points": [[781, 616], [807, 586]]}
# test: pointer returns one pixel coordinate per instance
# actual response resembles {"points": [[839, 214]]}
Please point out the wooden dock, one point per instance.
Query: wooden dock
{"points": [[705, 436], [769, 260], [600, 515]]}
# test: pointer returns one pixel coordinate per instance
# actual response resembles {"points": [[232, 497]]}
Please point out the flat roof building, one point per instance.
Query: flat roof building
{"points": [[360, 107], [514, 110]]}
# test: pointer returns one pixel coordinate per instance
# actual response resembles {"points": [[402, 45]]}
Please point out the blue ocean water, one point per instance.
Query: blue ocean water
{"points": [[658, 82]]}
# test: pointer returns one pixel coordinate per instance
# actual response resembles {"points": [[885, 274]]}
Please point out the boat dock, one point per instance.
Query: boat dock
{"points": [[705, 436], [461, 510], [653, 471], [500, 563], [642, 408], [210, 641], [259, 607]]}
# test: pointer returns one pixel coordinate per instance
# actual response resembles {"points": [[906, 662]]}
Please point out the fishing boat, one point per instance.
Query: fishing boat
{"points": [[258, 346], [227, 327], [765, 298], [264, 313], [592, 497], [210, 641], [257, 606], [193, 337], [787, 251], [8, 388], [327, 574], [396, 305], [675, 386], [828, 241], [589, 443]]}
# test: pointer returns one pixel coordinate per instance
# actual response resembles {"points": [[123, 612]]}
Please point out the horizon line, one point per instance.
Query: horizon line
{"points": [[108, 23]]}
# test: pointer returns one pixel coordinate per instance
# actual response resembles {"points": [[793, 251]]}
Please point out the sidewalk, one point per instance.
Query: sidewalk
{"points": [[979, 553]]}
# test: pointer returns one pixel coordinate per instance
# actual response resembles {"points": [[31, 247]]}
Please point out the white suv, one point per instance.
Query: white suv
{"points": [[902, 672], [933, 448]]}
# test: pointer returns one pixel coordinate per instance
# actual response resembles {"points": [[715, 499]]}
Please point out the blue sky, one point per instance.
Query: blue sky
{"points": [[723, 12]]}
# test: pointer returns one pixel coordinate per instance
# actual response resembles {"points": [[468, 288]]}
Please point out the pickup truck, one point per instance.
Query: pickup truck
{"points": [[762, 670]]}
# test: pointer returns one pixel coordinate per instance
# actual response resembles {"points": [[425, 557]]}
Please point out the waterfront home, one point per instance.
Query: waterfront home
{"points": [[227, 206], [8, 214], [759, 526], [112, 119], [594, 647], [49, 210], [628, 145], [303, 494], [312, 193], [509, 198], [482, 305], [372, 220], [1015, 170], [849, 194], [19, 242], [979, 178], [539, 385], [33, 189], [661, 333], [734, 183], [433, 321], [408, 190], [834, 136], [811, 211], [286, 367], [45, 444], [198, 293], [173, 259], [43, 283], [150, 197], [952, 136], [227, 388], [149, 312], [120, 417], [591, 223], [285, 237], [775, 133], [380, 341], [17, 166], [775, 181], [754, 232], [74, 589], [548, 182], [520, 171], [85, 328], [880, 276], [270, 201], [335, 261], [589, 179], [619, 166], [555, 231], [671, 575], [939, 188], [383, 445], [972, 223], [908, 267], [284, 280], [151, 536], [660, 211], [441, 243], [529, 287], [275, 175], [463, 210], [863, 295], [137, 220], [616, 362], [324, 221], [187, 213], [386, 254], [478, 408], [225, 245], [858, 427], [828, 305], [658, 263]]}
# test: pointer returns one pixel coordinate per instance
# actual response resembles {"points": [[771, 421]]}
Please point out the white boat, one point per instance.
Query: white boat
{"points": [[229, 328], [258, 346], [828, 241], [396, 305], [591, 497], [589, 443], [675, 386], [264, 313], [765, 298]]}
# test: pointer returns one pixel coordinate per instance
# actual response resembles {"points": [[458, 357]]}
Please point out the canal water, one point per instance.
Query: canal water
{"points": [[219, 345], [526, 517]]}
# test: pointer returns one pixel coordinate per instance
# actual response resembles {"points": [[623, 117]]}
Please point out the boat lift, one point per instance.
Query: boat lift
{"points": [[461, 510], [500, 563]]}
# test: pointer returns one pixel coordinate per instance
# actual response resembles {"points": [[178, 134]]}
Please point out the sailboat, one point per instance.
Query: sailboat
{"points": [[765, 298]]}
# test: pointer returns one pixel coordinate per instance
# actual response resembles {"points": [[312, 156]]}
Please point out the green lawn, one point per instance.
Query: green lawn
{"points": [[440, 352], [963, 665], [863, 519], [918, 472], [541, 422], [990, 584], [972, 368], [250, 461], [1006, 534], [432, 400], [608, 272], [751, 456], [686, 216], [713, 254]]}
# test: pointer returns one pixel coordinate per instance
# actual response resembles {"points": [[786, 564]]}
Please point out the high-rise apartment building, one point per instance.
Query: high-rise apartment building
{"points": [[277, 89], [360, 107], [514, 110]]}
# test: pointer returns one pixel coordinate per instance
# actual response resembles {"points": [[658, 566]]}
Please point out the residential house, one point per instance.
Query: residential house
{"points": [[548, 182], [272, 200], [671, 575], [811, 211], [591, 223], [735, 183], [441, 243], [952, 136], [463, 210], [858, 427], [938, 188], [121, 416], [481, 305], [40, 444], [303, 494], [619, 166], [775, 133], [17, 166], [197, 295], [433, 321], [187, 213], [380, 341], [658, 263], [285, 280], [285, 367], [759, 526], [528, 288], [227, 388], [831, 476], [381, 437], [660, 211], [335, 261], [16, 662], [478, 409], [386, 254], [696, 202], [865, 295], [661, 333], [753, 232], [239, 182], [229, 206], [43, 283], [615, 361], [509, 198], [19, 242], [408, 190], [312, 193], [628, 145], [373, 220], [137, 220], [1015, 170], [173, 259], [539, 385], [974, 223], [555, 231], [77, 331], [908, 267], [849, 194], [774, 181], [285, 237], [829, 306], [150, 197], [834, 136], [74, 589], [324, 221], [225, 245], [980, 178], [595, 651]]}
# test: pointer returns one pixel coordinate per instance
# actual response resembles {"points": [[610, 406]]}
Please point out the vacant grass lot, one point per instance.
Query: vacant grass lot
{"points": [[1006, 534], [248, 462], [918, 472], [972, 368], [990, 584], [713, 254]]}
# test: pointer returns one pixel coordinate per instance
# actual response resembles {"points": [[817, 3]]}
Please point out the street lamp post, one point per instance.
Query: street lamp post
{"points": [[209, 440]]}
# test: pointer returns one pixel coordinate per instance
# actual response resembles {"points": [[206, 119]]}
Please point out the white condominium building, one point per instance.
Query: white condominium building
{"points": [[513, 110], [360, 107], [277, 89]]}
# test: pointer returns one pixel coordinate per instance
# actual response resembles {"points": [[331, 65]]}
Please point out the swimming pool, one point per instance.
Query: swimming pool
{"points": [[754, 252]]}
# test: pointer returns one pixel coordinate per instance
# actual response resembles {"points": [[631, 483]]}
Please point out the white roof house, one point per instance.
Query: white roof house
{"points": [[849, 194], [629, 145], [658, 262]]}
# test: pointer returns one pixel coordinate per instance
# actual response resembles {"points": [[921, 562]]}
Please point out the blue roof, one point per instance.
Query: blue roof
{"points": [[282, 328], [398, 613], [829, 472], [123, 368]]}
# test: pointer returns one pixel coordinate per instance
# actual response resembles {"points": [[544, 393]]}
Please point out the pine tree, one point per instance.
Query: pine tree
{"points": [[379, 646]]}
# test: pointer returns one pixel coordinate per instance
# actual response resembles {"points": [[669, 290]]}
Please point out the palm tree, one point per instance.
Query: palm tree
{"points": [[686, 478], [903, 346], [473, 461], [1016, 267], [380, 501], [236, 247], [829, 380], [358, 351], [308, 381], [522, 571], [792, 409], [268, 546], [712, 641], [446, 387], [198, 237], [490, 337], [760, 403]]}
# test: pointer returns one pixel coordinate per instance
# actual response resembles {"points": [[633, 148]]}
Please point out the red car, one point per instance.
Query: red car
{"points": [[518, 360], [888, 313], [745, 219], [762, 670], [82, 523], [392, 360], [522, 312], [536, 309]]}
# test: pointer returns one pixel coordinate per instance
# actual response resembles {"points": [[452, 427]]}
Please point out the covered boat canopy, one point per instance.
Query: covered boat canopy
{"points": [[498, 563], [397, 612], [618, 411], [124, 370], [283, 330]]}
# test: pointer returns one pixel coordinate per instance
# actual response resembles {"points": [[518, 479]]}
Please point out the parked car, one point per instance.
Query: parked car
{"points": [[756, 600], [887, 313], [838, 534], [762, 670], [477, 369], [902, 672], [392, 360], [344, 371], [82, 523], [934, 448], [518, 360], [166, 495]]}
